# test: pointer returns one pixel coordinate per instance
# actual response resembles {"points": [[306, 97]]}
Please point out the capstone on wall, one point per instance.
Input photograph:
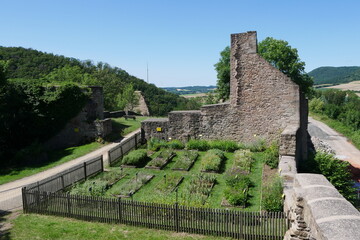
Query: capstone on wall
{"points": [[86, 126], [263, 103]]}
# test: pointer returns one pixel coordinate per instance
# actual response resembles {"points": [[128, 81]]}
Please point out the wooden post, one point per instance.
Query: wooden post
{"points": [[24, 200], [85, 174], [68, 204], [120, 214], [102, 163], [62, 182], [135, 137], [176, 216]]}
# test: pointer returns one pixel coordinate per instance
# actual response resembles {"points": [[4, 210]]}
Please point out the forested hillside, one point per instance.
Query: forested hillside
{"points": [[32, 64], [335, 75]]}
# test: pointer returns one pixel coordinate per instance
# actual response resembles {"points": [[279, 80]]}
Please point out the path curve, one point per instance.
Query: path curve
{"points": [[341, 145], [10, 193]]}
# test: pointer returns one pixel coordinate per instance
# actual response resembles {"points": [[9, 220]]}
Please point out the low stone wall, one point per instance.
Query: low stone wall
{"points": [[155, 128], [103, 127], [316, 209]]}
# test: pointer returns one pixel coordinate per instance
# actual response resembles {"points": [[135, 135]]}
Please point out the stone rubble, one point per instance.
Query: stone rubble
{"points": [[321, 146]]}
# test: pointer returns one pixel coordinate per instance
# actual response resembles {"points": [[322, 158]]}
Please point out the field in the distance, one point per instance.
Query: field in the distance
{"points": [[354, 86]]}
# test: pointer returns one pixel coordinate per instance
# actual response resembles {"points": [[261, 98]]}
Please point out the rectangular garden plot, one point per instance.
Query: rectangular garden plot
{"points": [[212, 161], [185, 160], [161, 160], [133, 185], [134, 159], [198, 189], [169, 183]]}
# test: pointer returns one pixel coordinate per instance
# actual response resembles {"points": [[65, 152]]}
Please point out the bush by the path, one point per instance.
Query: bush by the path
{"points": [[135, 158]]}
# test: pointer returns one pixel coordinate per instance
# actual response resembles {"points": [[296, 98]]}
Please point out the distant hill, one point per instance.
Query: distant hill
{"points": [[32, 64], [335, 75], [190, 89]]}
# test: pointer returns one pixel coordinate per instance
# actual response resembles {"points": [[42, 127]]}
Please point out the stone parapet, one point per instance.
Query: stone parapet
{"points": [[320, 212], [288, 140]]}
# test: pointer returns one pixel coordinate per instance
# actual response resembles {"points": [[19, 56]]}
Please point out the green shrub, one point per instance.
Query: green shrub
{"points": [[224, 145], [135, 157], [337, 172], [258, 145], [236, 191], [272, 155], [243, 159], [155, 144], [90, 188], [175, 144], [316, 105], [212, 160], [201, 145], [272, 196]]}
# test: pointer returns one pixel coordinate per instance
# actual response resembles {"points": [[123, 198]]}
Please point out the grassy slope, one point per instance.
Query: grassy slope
{"points": [[48, 227], [353, 136], [58, 157]]}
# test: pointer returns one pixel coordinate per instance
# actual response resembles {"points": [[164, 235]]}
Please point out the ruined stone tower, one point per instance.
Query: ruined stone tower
{"points": [[264, 103]]}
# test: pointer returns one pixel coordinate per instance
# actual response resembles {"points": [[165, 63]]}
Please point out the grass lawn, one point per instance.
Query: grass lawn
{"points": [[151, 193], [121, 127], [33, 226], [353, 136], [55, 158]]}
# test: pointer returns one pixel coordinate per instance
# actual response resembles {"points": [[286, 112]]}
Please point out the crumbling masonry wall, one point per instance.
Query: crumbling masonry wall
{"points": [[263, 103], [86, 126]]}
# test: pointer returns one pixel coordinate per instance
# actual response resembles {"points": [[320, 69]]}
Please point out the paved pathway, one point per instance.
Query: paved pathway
{"points": [[343, 148], [10, 193]]}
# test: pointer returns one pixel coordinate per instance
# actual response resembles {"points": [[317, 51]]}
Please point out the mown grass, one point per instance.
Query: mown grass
{"points": [[55, 158], [121, 127], [353, 136], [33, 226]]}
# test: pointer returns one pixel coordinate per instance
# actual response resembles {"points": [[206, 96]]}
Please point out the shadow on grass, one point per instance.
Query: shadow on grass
{"points": [[117, 131], [4, 232], [46, 158]]}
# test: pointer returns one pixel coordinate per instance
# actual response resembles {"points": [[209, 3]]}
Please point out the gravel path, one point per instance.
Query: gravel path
{"points": [[10, 193], [344, 150]]}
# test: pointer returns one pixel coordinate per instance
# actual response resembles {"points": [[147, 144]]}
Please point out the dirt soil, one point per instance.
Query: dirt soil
{"points": [[355, 86]]}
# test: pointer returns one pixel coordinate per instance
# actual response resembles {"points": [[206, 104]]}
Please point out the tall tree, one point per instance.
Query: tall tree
{"points": [[128, 99], [223, 74], [285, 58], [278, 53]]}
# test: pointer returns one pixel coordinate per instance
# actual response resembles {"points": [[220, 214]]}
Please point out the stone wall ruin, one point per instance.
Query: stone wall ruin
{"points": [[86, 126], [264, 104]]}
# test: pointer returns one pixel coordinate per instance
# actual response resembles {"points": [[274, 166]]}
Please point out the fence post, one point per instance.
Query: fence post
{"points": [[37, 197], [121, 151], [176, 216], [23, 193], [62, 182], [68, 203], [38, 186], [102, 163], [135, 137], [120, 214], [85, 175]]}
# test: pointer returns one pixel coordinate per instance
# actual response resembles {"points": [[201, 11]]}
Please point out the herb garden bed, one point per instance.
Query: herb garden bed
{"points": [[185, 161], [133, 185], [161, 160]]}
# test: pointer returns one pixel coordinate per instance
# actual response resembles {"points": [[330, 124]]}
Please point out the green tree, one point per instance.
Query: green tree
{"points": [[278, 53], [128, 99], [223, 74], [70, 74], [285, 58]]}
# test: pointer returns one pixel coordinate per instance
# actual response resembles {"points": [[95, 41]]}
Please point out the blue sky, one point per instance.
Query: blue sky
{"points": [[180, 40]]}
